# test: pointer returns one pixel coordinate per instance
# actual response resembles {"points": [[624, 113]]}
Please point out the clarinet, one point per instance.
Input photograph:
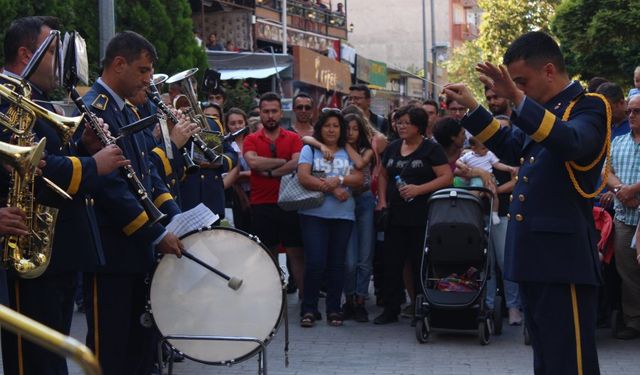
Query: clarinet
{"points": [[190, 166], [127, 171], [195, 138]]}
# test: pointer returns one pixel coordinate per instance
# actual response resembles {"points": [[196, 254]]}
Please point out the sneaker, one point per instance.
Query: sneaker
{"points": [[360, 313], [409, 311], [385, 318], [515, 317]]}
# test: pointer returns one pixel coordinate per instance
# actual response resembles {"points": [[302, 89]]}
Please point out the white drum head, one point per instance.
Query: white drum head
{"points": [[187, 299]]}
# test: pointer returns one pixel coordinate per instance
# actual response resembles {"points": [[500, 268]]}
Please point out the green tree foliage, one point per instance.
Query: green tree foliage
{"points": [[166, 23], [502, 22], [505, 20], [461, 67], [600, 38], [240, 95]]}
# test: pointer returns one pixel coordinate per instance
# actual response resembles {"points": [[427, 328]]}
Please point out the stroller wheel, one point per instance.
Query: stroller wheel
{"points": [[423, 330], [497, 315], [484, 332], [527, 337]]}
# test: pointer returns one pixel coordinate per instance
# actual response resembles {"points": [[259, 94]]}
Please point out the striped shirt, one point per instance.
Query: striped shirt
{"points": [[625, 161]]}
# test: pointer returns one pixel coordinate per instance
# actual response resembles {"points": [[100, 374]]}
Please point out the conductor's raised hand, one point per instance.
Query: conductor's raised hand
{"points": [[498, 79], [461, 94]]}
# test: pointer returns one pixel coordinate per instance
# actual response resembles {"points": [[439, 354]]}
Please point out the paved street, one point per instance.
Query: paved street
{"points": [[364, 348]]}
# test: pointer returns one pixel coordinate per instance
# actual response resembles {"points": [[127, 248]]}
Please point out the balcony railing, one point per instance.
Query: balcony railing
{"points": [[304, 12]]}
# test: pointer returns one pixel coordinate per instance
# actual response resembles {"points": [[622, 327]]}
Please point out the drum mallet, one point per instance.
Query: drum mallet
{"points": [[233, 282]]}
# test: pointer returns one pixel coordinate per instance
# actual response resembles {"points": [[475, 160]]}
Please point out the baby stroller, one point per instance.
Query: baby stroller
{"points": [[456, 243]]}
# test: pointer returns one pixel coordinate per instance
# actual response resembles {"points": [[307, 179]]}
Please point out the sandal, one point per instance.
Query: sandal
{"points": [[335, 319], [308, 320]]}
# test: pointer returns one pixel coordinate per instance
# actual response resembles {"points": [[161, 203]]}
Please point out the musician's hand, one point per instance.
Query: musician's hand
{"points": [[497, 78], [12, 221], [181, 133], [41, 164], [90, 140], [109, 159], [170, 244], [461, 94]]}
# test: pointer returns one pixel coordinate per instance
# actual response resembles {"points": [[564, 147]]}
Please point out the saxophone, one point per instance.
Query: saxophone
{"points": [[29, 255]]}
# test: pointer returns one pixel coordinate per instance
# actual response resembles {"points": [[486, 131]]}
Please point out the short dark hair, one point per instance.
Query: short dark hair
{"points": [[361, 87], [535, 48], [594, 83], [218, 91], [24, 32], [270, 97], [611, 91], [129, 45], [433, 103], [417, 116], [445, 129], [450, 100], [302, 95], [324, 116]]}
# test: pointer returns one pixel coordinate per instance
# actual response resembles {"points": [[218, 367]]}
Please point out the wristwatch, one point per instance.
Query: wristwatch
{"points": [[341, 179]]}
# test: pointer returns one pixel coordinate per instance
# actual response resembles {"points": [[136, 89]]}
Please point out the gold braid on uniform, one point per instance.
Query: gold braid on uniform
{"points": [[571, 165]]}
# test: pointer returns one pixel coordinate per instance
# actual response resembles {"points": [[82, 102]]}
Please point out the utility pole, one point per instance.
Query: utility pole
{"points": [[284, 27], [425, 63], [433, 53], [106, 15]]}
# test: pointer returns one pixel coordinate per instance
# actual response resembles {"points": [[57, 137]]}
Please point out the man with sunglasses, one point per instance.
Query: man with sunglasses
{"points": [[271, 153], [623, 181], [303, 108]]}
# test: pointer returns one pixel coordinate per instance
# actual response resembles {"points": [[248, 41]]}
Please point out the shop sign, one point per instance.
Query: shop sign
{"points": [[414, 87], [362, 68], [318, 70], [377, 73]]}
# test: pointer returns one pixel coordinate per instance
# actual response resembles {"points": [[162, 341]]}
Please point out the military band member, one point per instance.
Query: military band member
{"points": [[49, 297], [115, 294], [559, 135]]}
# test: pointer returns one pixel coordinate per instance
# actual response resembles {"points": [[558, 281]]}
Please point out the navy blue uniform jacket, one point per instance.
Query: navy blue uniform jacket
{"points": [[127, 236], [551, 237]]}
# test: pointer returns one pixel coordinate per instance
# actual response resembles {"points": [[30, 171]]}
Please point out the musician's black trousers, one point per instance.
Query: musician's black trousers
{"points": [[561, 319], [49, 300], [114, 304]]}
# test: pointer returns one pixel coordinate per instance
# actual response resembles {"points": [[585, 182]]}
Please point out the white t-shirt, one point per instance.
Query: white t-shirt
{"points": [[485, 162]]}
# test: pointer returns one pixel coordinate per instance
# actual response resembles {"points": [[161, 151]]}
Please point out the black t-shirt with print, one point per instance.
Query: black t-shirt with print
{"points": [[415, 169]]}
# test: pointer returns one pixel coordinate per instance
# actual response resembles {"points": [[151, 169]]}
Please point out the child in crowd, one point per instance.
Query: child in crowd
{"points": [[480, 157]]}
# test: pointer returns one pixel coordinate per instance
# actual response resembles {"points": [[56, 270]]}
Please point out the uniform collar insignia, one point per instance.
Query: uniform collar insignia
{"points": [[100, 102]]}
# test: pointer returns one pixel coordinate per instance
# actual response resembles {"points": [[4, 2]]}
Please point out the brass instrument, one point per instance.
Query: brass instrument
{"points": [[190, 166], [29, 255], [49, 339], [195, 113], [22, 158]]}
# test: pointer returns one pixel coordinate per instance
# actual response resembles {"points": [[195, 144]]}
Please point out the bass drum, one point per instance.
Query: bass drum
{"points": [[187, 299]]}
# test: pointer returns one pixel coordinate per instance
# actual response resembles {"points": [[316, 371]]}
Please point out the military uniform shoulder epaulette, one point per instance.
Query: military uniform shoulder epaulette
{"points": [[100, 102]]}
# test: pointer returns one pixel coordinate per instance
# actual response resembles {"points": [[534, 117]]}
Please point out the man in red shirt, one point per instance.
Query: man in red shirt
{"points": [[272, 152]]}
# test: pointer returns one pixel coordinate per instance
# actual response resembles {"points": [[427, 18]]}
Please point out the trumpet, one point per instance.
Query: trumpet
{"points": [[17, 121], [190, 166], [196, 112]]}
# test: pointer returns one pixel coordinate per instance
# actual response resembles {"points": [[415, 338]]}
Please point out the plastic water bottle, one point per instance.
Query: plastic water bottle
{"points": [[400, 183]]}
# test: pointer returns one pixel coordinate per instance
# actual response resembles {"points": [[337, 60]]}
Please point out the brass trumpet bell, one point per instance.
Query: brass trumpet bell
{"points": [[22, 158]]}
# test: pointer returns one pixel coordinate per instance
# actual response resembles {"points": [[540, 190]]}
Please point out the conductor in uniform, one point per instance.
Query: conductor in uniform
{"points": [[560, 136]]}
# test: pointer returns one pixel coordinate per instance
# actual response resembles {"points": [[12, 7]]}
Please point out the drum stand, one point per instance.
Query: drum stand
{"points": [[262, 353]]}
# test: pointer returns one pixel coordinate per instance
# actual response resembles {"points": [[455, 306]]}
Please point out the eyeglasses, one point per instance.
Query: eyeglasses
{"points": [[332, 110], [356, 98], [635, 111], [303, 107], [272, 148]]}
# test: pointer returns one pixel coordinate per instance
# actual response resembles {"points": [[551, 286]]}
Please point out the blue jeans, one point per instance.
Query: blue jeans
{"points": [[359, 263], [325, 245], [496, 246]]}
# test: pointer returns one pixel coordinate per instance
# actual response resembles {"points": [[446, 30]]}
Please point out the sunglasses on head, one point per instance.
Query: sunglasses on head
{"points": [[331, 110]]}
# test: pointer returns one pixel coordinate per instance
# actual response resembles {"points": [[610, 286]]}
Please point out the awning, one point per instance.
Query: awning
{"points": [[249, 73], [240, 65]]}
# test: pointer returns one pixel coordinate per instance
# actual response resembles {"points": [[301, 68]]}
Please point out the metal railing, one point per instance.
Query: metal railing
{"points": [[308, 12]]}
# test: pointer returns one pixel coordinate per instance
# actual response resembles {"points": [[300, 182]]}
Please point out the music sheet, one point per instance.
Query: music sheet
{"points": [[194, 219]]}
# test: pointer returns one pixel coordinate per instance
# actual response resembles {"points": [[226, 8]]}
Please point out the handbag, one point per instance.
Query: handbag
{"points": [[293, 196]]}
